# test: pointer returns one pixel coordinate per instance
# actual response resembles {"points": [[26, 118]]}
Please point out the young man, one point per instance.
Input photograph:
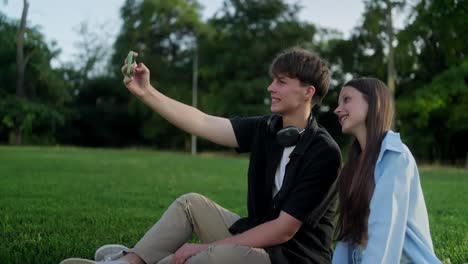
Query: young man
{"points": [[293, 168]]}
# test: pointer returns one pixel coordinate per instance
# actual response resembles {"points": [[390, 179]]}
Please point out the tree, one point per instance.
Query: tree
{"points": [[371, 44], [430, 46], [98, 116], [98, 103], [92, 57], [162, 32], [234, 60], [434, 91], [35, 116], [364, 54], [21, 60], [441, 105]]}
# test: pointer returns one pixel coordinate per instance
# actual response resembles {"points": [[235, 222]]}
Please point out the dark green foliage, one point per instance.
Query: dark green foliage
{"points": [[35, 118], [236, 57], [431, 85], [235, 48], [99, 115], [443, 106], [434, 88], [36, 122], [163, 34]]}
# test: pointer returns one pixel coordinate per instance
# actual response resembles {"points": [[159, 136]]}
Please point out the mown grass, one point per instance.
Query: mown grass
{"points": [[61, 202], [446, 195]]}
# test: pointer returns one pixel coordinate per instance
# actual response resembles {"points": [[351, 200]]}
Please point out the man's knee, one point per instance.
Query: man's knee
{"points": [[189, 197]]}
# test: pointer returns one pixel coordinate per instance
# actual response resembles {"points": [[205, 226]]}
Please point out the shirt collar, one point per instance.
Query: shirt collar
{"points": [[306, 138], [391, 142]]}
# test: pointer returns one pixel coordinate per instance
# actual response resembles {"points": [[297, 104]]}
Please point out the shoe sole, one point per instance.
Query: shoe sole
{"points": [[77, 261], [107, 250]]}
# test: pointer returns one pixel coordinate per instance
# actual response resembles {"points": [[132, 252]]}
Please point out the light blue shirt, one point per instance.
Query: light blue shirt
{"points": [[398, 224]]}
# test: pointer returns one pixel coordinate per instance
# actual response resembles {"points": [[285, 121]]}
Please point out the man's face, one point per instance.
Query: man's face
{"points": [[288, 95]]}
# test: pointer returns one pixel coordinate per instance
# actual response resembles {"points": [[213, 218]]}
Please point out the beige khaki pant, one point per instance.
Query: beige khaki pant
{"points": [[195, 213]]}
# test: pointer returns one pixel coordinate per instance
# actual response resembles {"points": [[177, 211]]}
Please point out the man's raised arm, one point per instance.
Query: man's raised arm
{"points": [[215, 129]]}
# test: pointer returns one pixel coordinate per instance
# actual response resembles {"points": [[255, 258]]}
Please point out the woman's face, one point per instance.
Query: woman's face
{"points": [[352, 111]]}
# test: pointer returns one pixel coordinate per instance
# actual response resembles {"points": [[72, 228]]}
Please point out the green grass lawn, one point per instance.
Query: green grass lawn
{"points": [[61, 202]]}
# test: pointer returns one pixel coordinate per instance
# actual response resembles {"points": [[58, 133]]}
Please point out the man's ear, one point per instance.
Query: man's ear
{"points": [[310, 92]]}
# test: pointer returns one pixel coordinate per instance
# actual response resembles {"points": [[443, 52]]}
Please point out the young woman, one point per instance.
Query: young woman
{"points": [[383, 216]]}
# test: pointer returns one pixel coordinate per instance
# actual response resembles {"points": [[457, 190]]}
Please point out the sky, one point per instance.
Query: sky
{"points": [[59, 20]]}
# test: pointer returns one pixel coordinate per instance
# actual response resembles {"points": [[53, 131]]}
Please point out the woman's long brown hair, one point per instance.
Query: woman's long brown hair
{"points": [[356, 183]]}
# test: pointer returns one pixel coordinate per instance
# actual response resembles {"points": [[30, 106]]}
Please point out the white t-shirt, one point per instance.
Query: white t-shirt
{"points": [[280, 170]]}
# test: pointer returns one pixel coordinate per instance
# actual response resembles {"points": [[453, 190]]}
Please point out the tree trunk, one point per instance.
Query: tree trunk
{"points": [[20, 61], [15, 137], [391, 72], [466, 161]]}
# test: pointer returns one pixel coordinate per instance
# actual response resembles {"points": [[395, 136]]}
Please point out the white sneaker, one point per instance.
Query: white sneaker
{"points": [[87, 261], [110, 252]]}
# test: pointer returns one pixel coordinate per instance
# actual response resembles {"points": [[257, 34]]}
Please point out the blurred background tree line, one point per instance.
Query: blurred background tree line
{"points": [[424, 64]]}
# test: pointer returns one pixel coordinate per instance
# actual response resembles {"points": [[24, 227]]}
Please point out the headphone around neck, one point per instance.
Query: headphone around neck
{"points": [[288, 136]]}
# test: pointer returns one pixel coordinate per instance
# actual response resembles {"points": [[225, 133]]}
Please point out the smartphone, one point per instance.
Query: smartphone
{"points": [[129, 63]]}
